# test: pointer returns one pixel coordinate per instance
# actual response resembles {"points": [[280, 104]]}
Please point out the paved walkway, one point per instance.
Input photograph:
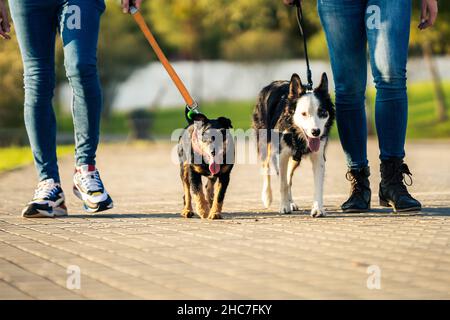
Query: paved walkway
{"points": [[143, 249]]}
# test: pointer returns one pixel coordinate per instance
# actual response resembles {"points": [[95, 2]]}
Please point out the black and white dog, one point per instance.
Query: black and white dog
{"points": [[292, 122]]}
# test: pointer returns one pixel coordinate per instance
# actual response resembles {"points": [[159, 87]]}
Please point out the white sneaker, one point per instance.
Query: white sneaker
{"points": [[88, 187], [48, 201]]}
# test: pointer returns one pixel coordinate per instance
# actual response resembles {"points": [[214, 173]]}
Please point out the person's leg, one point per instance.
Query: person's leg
{"points": [[79, 28], [35, 23], [344, 26], [388, 45]]}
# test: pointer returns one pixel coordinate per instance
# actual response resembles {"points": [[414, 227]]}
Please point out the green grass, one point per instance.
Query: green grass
{"points": [[239, 112], [116, 124], [422, 115], [422, 122], [14, 157], [166, 120]]}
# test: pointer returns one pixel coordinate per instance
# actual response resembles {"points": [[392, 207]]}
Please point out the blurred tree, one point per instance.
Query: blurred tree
{"points": [[204, 29], [121, 49], [257, 30], [11, 84], [433, 41], [317, 47], [247, 46], [236, 30], [185, 26]]}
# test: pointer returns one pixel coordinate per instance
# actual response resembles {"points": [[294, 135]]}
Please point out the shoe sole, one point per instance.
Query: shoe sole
{"points": [[355, 210], [390, 204], [101, 206], [36, 213]]}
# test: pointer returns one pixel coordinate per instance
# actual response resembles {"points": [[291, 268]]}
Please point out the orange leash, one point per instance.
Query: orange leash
{"points": [[162, 57]]}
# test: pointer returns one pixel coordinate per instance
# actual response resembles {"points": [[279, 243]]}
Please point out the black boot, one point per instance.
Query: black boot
{"points": [[393, 192], [360, 193]]}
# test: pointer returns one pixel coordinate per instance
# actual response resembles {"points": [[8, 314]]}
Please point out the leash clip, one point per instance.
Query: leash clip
{"points": [[133, 10], [192, 110], [194, 106]]}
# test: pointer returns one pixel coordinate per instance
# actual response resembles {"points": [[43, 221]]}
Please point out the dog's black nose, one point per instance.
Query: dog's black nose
{"points": [[315, 132]]}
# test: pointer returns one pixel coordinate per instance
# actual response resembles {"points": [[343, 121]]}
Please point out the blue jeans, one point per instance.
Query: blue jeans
{"points": [[384, 25], [37, 23]]}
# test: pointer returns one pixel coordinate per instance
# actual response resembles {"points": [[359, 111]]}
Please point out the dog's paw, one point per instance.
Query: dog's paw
{"points": [[285, 208], [203, 215], [317, 212], [214, 216], [294, 207], [203, 211], [187, 213]]}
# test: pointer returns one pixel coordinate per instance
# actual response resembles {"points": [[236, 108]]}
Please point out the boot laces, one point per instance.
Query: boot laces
{"points": [[356, 182], [402, 177], [91, 181]]}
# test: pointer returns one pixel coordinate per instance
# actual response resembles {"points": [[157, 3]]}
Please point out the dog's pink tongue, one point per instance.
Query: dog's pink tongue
{"points": [[214, 168], [314, 144]]}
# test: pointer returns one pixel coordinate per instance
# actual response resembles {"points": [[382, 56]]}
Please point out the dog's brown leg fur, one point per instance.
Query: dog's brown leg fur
{"points": [[201, 205], [210, 190], [216, 208], [187, 211], [219, 195]]}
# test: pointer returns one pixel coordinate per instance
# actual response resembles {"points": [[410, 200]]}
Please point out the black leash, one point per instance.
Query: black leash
{"points": [[298, 4]]}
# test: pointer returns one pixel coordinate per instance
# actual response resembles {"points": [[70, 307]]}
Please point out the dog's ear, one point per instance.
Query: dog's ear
{"points": [[323, 86], [295, 87], [225, 122], [199, 117], [199, 120]]}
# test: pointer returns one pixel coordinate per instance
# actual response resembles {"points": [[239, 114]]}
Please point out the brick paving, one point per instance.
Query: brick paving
{"points": [[143, 249]]}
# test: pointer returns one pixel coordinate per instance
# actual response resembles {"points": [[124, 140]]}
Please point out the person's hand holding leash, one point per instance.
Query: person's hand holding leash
{"points": [[126, 4], [5, 27], [429, 13]]}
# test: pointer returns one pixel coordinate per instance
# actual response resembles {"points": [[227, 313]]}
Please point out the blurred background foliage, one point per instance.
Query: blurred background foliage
{"points": [[11, 92], [237, 30]]}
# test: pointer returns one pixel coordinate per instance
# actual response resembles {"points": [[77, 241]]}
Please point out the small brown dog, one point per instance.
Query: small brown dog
{"points": [[206, 148]]}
